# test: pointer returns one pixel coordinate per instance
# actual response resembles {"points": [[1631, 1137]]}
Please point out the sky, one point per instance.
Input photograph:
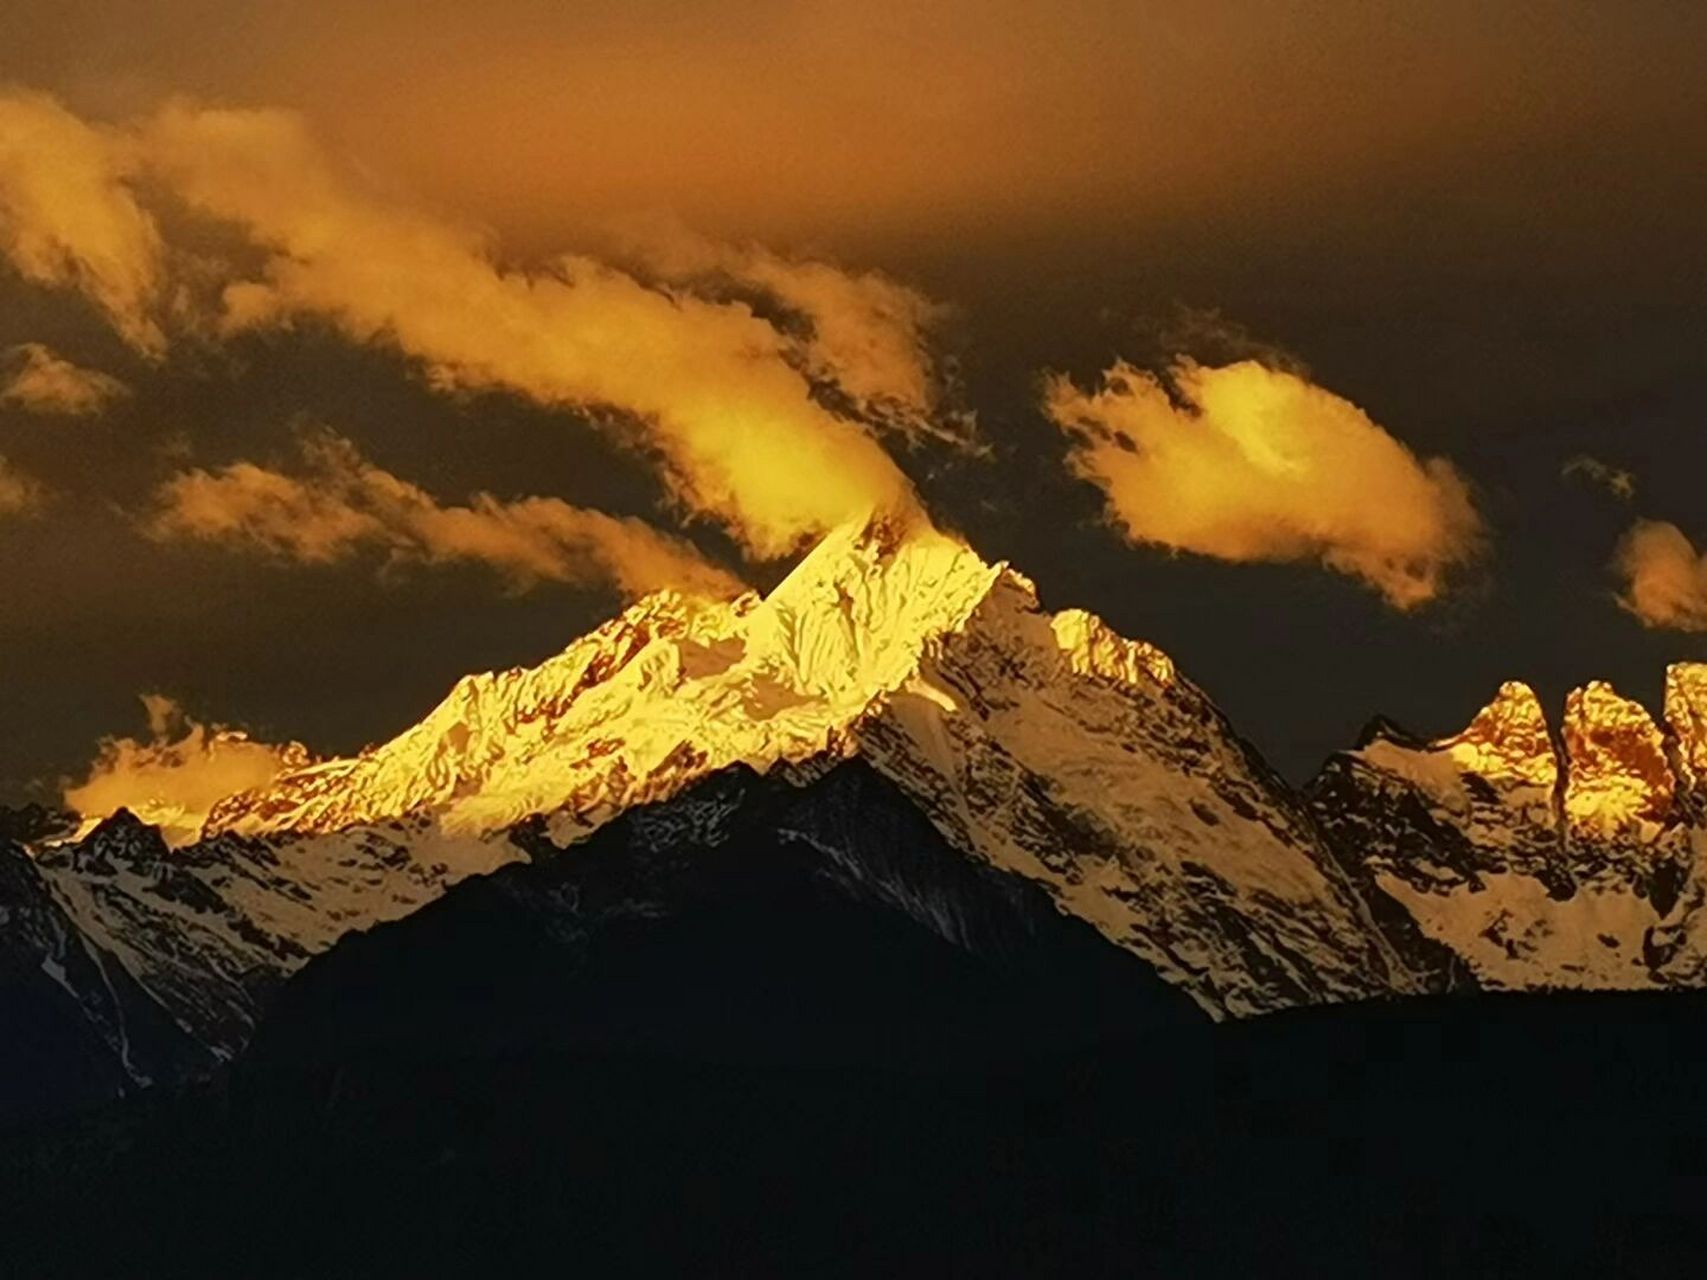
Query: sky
{"points": [[1350, 352]]}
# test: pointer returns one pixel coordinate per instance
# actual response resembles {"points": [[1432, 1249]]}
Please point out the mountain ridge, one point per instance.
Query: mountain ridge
{"points": [[1513, 854]]}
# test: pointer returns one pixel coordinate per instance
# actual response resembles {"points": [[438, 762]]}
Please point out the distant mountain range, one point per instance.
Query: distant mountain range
{"points": [[885, 924], [1055, 759]]}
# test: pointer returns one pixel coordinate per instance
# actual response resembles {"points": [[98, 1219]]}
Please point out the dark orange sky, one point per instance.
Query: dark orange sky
{"points": [[1477, 228], [858, 123]]}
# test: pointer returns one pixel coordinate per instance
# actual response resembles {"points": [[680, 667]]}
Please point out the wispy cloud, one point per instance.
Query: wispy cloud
{"points": [[340, 504], [1250, 463], [36, 379], [175, 776], [757, 382], [19, 494], [722, 397], [868, 335], [69, 218], [1621, 484]]}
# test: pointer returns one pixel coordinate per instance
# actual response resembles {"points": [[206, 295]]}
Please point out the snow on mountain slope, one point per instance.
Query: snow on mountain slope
{"points": [[1539, 863], [1483, 800], [1052, 747], [210, 929], [46, 960]]}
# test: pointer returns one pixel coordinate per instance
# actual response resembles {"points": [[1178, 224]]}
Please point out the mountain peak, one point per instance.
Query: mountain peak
{"points": [[1042, 746], [1092, 647], [1508, 740], [852, 617], [672, 688], [1618, 778], [1507, 746], [124, 827], [121, 838]]}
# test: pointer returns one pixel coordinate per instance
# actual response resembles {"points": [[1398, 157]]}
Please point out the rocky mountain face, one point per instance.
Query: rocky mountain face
{"points": [[778, 919], [1041, 749], [211, 929], [1537, 859], [79, 1027]]}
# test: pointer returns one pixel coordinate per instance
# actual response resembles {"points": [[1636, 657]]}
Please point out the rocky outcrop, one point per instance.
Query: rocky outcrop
{"points": [[1538, 862], [79, 1028], [1686, 719]]}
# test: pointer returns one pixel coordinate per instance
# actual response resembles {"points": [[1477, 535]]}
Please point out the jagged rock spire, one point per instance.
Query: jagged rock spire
{"points": [[1618, 781], [1508, 740], [1686, 718]]}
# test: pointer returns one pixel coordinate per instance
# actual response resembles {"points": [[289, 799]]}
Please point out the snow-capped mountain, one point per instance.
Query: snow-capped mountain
{"points": [[1041, 747], [669, 691]]}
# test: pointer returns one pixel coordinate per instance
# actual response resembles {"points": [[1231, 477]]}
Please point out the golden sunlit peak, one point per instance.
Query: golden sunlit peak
{"points": [[1509, 739], [1618, 777]]}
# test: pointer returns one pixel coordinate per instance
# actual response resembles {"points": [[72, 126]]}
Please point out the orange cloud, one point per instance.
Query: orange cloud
{"points": [[763, 422], [42, 382], [69, 219], [868, 334], [343, 503], [1664, 577], [1248, 463], [725, 398], [175, 777], [19, 494]]}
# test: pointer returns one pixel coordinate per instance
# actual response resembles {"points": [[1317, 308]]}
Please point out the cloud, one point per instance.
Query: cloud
{"points": [[868, 334], [763, 421], [724, 398], [343, 504], [176, 777], [42, 382], [1620, 483], [19, 493], [68, 218], [1247, 463], [1664, 577]]}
